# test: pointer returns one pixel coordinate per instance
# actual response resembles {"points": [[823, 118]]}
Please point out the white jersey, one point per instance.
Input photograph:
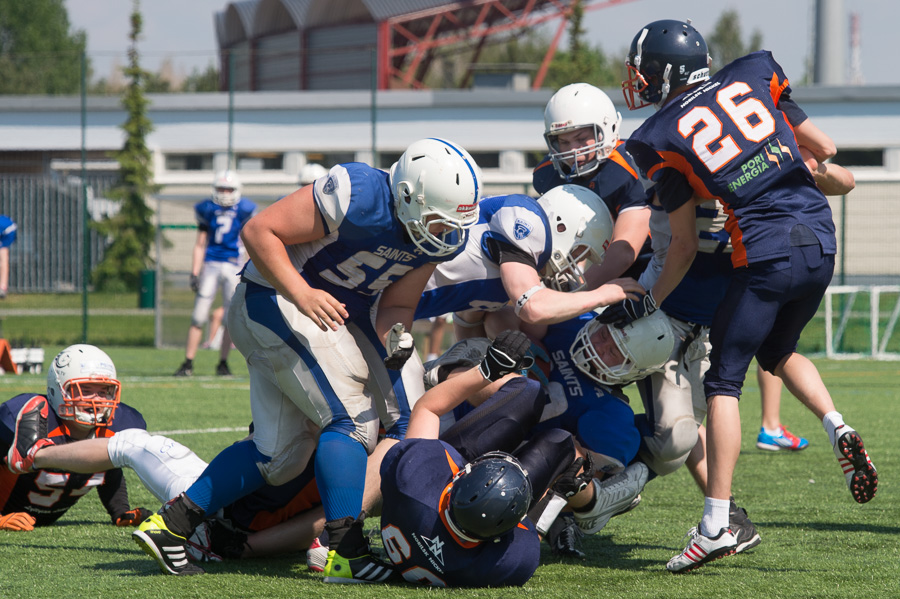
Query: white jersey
{"points": [[472, 279]]}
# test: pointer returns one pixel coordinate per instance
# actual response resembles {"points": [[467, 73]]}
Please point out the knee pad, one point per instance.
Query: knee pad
{"points": [[676, 442]]}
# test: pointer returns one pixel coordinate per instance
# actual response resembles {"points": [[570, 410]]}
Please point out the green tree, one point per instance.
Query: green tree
{"points": [[38, 54], [202, 81], [131, 230], [727, 43]]}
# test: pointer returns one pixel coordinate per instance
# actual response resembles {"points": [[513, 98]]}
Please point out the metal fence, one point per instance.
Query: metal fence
{"points": [[50, 213]]}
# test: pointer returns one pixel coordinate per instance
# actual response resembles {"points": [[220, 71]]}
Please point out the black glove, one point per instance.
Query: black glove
{"points": [[575, 478], [400, 346], [195, 283], [627, 311], [508, 353], [133, 517]]}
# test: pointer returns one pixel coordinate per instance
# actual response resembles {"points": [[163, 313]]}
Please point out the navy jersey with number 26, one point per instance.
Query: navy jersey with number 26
{"points": [[730, 140]]}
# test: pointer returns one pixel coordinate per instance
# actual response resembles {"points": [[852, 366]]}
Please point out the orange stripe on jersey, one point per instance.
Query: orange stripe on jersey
{"points": [[305, 500], [680, 164], [544, 164], [617, 157], [739, 251], [453, 467], [522, 526], [776, 88]]}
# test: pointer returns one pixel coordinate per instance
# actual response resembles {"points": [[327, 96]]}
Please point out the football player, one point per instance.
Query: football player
{"points": [[303, 317], [734, 138], [216, 261], [7, 238], [581, 128], [82, 401], [529, 252], [454, 509]]}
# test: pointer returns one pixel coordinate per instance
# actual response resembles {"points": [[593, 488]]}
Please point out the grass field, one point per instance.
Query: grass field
{"points": [[816, 541]]}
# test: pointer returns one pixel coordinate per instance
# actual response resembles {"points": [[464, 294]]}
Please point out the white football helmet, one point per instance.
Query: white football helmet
{"points": [[310, 172], [73, 367], [580, 229], [226, 189], [436, 182], [646, 344], [581, 106]]}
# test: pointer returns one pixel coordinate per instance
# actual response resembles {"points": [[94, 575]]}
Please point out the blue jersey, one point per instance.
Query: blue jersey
{"points": [[730, 139], [415, 474], [472, 279], [616, 181], [223, 225], [600, 420], [7, 231], [365, 247], [48, 494]]}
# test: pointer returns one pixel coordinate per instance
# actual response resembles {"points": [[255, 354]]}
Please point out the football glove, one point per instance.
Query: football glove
{"points": [[133, 517], [400, 346], [627, 311], [508, 353], [17, 521], [195, 283], [575, 478]]}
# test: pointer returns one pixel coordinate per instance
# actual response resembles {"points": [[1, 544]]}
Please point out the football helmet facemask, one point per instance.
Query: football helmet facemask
{"points": [[645, 343], [580, 106], [436, 183], [226, 189], [664, 55], [580, 231], [488, 497], [72, 369]]}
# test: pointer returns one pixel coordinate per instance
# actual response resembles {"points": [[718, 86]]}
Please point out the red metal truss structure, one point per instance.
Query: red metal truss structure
{"points": [[408, 42]]}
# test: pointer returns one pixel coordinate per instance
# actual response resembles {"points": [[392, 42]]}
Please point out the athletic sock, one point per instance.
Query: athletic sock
{"points": [[831, 422], [231, 475], [715, 516], [340, 474]]}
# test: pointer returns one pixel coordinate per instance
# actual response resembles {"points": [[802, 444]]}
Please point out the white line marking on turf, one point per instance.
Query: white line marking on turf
{"points": [[194, 431]]}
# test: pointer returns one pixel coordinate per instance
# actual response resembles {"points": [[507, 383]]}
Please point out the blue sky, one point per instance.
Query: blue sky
{"points": [[182, 30]]}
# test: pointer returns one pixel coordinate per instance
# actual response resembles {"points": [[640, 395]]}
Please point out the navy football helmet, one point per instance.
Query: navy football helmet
{"points": [[664, 55], [488, 497]]}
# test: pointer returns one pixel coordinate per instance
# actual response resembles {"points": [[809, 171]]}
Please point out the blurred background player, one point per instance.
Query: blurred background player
{"points": [[82, 401], [7, 238], [303, 318], [581, 128], [216, 262]]}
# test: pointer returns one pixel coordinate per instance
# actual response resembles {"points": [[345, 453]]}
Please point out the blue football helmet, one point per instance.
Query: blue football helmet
{"points": [[664, 55], [488, 497]]}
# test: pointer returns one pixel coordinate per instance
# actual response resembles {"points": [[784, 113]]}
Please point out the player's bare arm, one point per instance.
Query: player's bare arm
{"points": [[629, 235], [682, 249], [815, 140], [291, 220], [399, 300], [549, 306]]}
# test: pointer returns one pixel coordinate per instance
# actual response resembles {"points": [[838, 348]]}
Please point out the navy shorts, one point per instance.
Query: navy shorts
{"points": [[763, 313]]}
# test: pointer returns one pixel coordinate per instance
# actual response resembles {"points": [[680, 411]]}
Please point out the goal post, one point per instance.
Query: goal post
{"points": [[856, 331]]}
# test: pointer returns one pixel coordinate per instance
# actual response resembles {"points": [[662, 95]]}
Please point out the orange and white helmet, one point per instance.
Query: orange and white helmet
{"points": [[73, 367], [226, 189], [436, 182]]}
